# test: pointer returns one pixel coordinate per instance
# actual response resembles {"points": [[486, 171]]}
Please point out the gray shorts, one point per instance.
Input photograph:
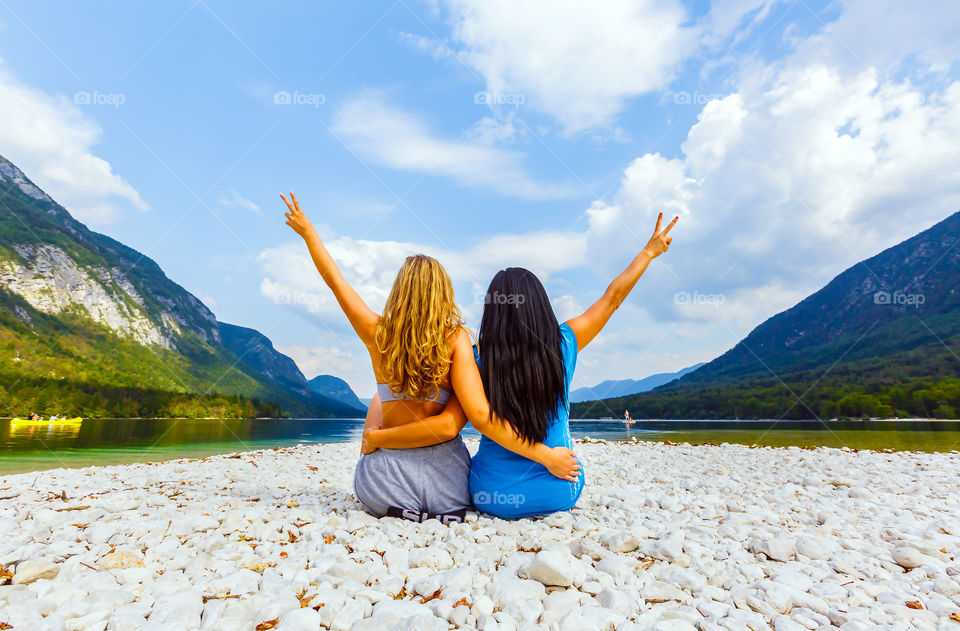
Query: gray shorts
{"points": [[424, 480]]}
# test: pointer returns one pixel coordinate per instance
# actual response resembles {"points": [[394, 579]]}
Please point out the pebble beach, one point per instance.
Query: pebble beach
{"points": [[666, 537]]}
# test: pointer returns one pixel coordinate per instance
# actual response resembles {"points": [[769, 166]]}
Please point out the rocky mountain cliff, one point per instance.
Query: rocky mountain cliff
{"points": [[257, 350], [77, 307]]}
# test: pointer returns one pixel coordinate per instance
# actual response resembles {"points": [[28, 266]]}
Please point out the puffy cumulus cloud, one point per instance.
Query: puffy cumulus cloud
{"points": [[50, 139], [394, 138], [790, 180], [577, 66], [541, 252], [581, 67], [810, 164], [566, 307], [886, 33], [291, 280], [370, 266]]}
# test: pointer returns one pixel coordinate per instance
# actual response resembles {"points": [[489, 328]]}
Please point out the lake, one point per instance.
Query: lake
{"points": [[117, 441]]}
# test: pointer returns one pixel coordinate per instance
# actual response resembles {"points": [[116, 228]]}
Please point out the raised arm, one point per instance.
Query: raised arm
{"points": [[422, 433], [468, 386], [363, 319], [587, 326]]}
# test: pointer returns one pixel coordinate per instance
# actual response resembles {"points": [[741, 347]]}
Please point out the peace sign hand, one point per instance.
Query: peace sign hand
{"points": [[295, 218], [659, 242]]}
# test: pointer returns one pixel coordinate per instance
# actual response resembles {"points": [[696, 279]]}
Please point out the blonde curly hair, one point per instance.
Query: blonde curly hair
{"points": [[419, 319]]}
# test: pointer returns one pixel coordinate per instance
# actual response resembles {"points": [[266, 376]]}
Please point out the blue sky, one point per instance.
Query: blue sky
{"points": [[793, 139]]}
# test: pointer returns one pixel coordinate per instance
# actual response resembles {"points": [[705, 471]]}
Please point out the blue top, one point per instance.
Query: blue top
{"points": [[507, 485]]}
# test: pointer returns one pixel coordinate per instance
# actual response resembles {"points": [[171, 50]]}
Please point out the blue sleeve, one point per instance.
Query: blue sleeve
{"points": [[568, 346]]}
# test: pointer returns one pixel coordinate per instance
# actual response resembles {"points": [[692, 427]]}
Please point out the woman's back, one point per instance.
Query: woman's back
{"points": [[507, 485], [413, 344]]}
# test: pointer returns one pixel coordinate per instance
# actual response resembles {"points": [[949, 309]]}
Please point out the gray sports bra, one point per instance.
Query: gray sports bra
{"points": [[383, 389]]}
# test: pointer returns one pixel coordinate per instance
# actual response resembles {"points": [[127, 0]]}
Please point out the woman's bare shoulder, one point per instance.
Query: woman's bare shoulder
{"points": [[460, 339]]}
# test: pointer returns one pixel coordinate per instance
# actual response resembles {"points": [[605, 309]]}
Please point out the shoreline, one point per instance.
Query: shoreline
{"points": [[667, 537]]}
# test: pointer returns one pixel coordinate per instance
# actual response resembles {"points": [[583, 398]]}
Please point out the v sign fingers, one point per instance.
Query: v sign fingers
{"points": [[659, 242], [670, 226], [296, 219]]}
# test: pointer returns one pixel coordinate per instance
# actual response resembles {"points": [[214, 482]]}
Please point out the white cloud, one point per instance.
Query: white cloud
{"points": [[812, 164], [566, 307], [884, 34], [397, 139], [578, 66], [335, 357], [291, 280], [793, 179], [51, 141], [235, 200], [808, 165]]}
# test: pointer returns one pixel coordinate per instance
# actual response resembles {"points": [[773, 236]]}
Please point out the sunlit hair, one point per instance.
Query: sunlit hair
{"points": [[418, 322]]}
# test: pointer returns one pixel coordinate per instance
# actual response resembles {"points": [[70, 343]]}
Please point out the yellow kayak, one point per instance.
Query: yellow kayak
{"points": [[45, 421]]}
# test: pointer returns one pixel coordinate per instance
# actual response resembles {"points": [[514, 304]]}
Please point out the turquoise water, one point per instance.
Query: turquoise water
{"points": [[117, 441]]}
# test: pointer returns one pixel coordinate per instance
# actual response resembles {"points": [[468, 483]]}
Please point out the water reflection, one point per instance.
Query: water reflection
{"points": [[27, 447], [26, 431]]}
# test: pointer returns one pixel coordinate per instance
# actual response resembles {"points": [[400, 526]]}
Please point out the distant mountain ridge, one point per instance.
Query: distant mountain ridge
{"points": [[256, 350], [622, 387], [338, 389], [909, 294], [880, 339], [83, 313]]}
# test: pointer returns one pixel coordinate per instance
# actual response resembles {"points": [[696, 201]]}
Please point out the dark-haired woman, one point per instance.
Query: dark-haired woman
{"points": [[526, 359]]}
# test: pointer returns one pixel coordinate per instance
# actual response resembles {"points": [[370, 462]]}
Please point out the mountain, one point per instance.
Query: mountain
{"points": [[257, 351], [622, 387], [92, 326], [338, 389], [881, 339]]}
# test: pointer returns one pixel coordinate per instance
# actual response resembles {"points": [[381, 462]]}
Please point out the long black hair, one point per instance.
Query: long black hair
{"points": [[521, 361]]}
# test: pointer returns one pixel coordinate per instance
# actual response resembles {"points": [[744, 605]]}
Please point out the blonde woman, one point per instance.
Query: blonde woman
{"points": [[421, 354]]}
